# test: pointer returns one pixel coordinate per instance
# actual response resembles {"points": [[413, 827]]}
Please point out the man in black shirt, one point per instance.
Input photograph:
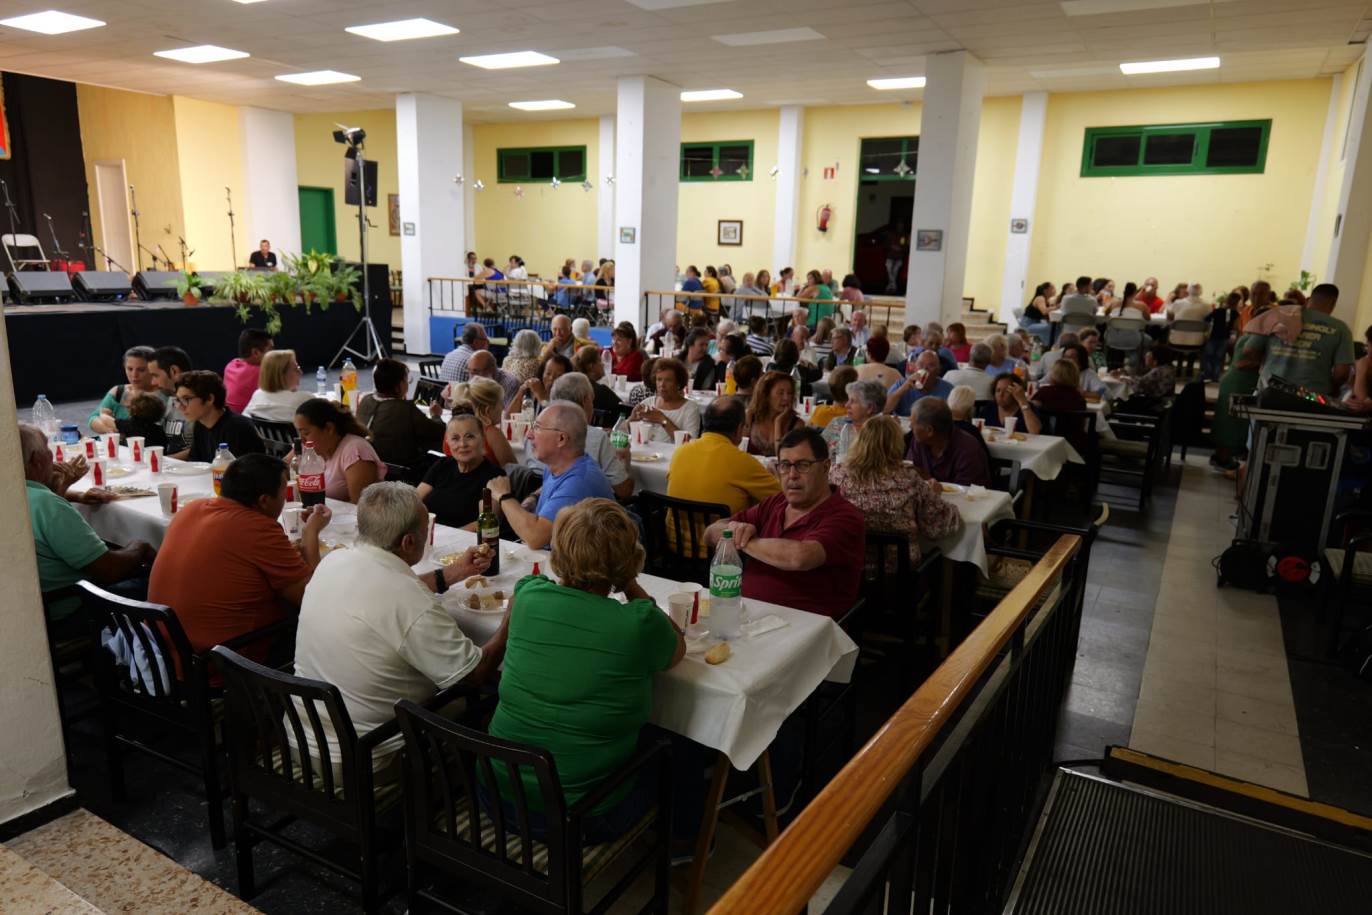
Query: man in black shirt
{"points": [[264, 258], [200, 395]]}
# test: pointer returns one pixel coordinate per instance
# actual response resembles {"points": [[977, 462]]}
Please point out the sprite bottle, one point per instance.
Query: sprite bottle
{"points": [[726, 589]]}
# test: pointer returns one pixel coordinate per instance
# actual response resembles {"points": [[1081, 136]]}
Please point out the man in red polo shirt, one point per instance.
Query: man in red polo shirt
{"points": [[807, 544]]}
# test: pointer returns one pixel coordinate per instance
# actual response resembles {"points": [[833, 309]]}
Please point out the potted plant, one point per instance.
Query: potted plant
{"points": [[238, 288], [279, 288], [188, 287], [347, 284]]}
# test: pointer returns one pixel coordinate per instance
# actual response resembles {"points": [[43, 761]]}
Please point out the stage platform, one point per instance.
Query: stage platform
{"points": [[75, 351]]}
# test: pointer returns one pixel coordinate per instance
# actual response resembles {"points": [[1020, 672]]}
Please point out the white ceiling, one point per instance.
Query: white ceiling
{"points": [[1026, 44]]}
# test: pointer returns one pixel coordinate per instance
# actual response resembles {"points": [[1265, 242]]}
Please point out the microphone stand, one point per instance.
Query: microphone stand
{"points": [[166, 258], [56, 245], [109, 261], [184, 254], [233, 247], [152, 254], [137, 242], [9, 205], [371, 341]]}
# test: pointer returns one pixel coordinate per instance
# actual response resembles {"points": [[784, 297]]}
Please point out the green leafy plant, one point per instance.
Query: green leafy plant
{"points": [[188, 287], [239, 288], [347, 284], [1305, 283], [279, 289], [309, 278]]}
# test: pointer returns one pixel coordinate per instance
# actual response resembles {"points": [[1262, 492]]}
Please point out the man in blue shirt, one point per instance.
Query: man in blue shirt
{"points": [[569, 474], [692, 283], [925, 381]]}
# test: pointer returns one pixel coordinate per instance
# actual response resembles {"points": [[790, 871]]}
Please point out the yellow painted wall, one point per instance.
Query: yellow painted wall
{"points": [[700, 205], [141, 130], [992, 185], [545, 226], [1216, 230], [319, 163], [209, 148], [833, 135]]}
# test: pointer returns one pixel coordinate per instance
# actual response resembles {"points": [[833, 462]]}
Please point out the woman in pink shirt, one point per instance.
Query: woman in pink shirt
{"points": [[240, 375], [350, 461]]}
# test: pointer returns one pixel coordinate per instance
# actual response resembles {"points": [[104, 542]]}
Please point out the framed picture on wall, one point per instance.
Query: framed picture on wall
{"points": [[929, 240], [393, 212], [731, 232]]}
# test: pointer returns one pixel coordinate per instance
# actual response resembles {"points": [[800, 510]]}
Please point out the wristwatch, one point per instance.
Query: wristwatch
{"points": [[440, 583], [507, 495]]}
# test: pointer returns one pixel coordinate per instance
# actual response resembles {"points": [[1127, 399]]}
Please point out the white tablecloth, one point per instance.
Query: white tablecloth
{"points": [[736, 707], [1041, 455], [968, 543]]}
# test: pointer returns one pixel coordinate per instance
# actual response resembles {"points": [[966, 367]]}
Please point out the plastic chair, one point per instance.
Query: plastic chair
{"points": [[11, 242], [277, 438]]}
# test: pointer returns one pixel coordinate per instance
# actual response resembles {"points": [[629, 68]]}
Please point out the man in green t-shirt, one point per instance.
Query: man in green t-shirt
{"points": [[67, 549], [1321, 358]]}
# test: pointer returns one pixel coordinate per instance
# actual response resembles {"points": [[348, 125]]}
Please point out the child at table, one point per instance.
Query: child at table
{"points": [[145, 418]]}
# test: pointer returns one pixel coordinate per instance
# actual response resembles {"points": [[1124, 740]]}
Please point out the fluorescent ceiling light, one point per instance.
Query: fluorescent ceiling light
{"points": [[509, 60], [245, 2], [402, 30], [669, 4], [1102, 7], [51, 22], [898, 82], [318, 78], [710, 95], [773, 36], [201, 54], [547, 104], [1170, 66]]}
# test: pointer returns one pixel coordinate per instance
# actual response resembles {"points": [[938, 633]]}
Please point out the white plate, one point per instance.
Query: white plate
{"points": [[644, 457], [187, 468]]}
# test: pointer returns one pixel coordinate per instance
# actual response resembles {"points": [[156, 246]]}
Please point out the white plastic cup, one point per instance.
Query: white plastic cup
{"points": [[98, 470], [719, 389], [167, 495], [88, 445], [521, 431], [509, 430], [109, 445], [155, 453], [679, 608], [135, 443], [681, 437], [743, 444], [636, 428], [290, 517], [808, 404], [1010, 425]]}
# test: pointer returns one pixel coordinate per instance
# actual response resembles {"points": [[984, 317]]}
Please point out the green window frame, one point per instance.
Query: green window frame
{"points": [[1169, 142], [876, 152], [696, 154], [514, 165]]}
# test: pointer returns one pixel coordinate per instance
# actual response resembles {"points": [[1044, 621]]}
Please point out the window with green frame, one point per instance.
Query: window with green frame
{"points": [[724, 160], [1209, 148], [535, 165], [888, 159]]}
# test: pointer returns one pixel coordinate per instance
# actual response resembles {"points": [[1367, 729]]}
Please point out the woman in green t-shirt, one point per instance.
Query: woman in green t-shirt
{"points": [[579, 665], [818, 298]]}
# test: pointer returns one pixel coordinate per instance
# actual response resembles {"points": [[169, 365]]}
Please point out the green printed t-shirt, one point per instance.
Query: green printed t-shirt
{"points": [[1324, 342]]}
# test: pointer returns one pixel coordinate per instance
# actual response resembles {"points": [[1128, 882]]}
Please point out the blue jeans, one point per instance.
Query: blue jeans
{"points": [[1212, 358], [1041, 329]]}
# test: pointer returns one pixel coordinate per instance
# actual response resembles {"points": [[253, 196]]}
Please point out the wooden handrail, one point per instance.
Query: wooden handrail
{"points": [[796, 864]]}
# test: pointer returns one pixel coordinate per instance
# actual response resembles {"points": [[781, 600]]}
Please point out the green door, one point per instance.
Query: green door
{"points": [[317, 231]]}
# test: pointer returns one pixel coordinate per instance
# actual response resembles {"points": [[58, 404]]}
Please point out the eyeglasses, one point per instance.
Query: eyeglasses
{"points": [[537, 427], [801, 467], [186, 401]]}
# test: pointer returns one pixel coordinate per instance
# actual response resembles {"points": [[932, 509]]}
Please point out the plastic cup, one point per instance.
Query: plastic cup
{"points": [[978, 423], [1010, 425], [290, 517], [155, 453], [681, 436], [109, 445], [636, 430], [679, 608], [59, 451], [743, 444], [136, 448], [808, 404], [98, 470], [88, 445], [719, 389], [290, 492], [509, 430], [166, 494]]}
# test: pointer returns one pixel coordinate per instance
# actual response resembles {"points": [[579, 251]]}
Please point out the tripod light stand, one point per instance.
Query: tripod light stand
{"points": [[354, 138]]}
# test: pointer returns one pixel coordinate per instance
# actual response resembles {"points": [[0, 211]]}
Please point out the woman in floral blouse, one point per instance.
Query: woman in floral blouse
{"points": [[892, 496]]}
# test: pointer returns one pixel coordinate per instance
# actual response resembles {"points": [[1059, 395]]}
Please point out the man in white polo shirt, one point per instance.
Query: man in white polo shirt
{"points": [[372, 627]]}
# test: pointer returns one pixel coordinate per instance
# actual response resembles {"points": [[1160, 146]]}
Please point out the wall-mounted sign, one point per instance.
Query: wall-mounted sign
{"points": [[627, 235], [1019, 226], [929, 240], [408, 228]]}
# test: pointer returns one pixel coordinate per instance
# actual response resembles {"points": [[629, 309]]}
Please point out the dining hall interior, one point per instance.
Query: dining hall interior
{"points": [[760, 456]]}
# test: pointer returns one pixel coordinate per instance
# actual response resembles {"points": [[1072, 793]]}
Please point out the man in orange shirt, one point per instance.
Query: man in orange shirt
{"points": [[226, 566]]}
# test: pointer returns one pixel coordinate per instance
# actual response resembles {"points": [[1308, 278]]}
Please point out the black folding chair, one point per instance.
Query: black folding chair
{"points": [[429, 366], [674, 535], [277, 438], [1138, 452], [426, 389], [1078, 427], [459, 823]]}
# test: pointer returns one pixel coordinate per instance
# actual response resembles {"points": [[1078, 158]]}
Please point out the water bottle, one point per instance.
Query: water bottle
{"points": [[1036, 353], [607, 359], [846, 436], [321, 382], [310, 483], [222, 459], [348, 381], [619, 435], [44, 416], [726, 588], [530, 408]]}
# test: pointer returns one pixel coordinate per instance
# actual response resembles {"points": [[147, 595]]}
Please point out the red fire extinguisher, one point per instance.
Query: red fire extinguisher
{"points": [[824, 215]]}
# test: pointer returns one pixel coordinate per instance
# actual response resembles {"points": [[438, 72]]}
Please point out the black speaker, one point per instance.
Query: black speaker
{"points": [[102, 285], [156, 284], [350, 183], [30, 286]]}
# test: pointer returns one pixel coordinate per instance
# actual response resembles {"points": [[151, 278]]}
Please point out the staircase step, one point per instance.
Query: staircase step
{"points": [[115, 872], [25, 888]]}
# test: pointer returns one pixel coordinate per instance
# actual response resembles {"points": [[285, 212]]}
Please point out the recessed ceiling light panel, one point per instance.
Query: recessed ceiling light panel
{"points": [[548, 104], [710, 95], [898, 82], [318, 78], [1105, 7], [654, 5], [201, 54], [1169, 66], [51, 22], [509, 60], [772, 36], [402, 30]]}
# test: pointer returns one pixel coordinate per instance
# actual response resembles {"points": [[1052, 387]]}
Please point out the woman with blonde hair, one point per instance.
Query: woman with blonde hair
{"points": [[890, 494], [277, 396], [772, 413], [484, 397]]}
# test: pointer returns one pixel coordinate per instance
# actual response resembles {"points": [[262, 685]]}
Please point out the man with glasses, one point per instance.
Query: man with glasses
{"points": [[807, 543], [569, 474], [200, 395]]}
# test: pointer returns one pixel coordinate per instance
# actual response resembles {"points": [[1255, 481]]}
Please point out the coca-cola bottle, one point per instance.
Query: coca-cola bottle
{"points": [[311, 480]]}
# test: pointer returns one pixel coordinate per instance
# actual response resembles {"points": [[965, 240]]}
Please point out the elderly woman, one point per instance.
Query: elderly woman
{"points": [[523, 361], [351, 464], [278, 384], [891, 495], [839, 379], [1009, 401], [553, 367], [581, 332], [452, 488], [771, 414], [1062, 393], [579, 664], [669, 410], [400, 433], [115, 405], [1088, 382], [865, 400], [587, 361], [482, 397], [962, 403], [626, 354]]}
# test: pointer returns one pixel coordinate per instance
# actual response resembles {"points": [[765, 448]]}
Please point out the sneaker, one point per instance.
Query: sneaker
{"points": [[1226, 467]]}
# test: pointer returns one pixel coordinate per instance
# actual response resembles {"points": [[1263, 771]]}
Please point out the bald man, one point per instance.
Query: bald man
{"points": [[482, 364]]}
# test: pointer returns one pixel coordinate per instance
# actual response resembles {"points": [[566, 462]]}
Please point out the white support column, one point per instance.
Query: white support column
{"points": [[469, 192], [273, 188], [1313, 223], [605, 192], [943, 188], [790, 143], [647, 155], [1348, 252], [1033, 114], [429, 154]]}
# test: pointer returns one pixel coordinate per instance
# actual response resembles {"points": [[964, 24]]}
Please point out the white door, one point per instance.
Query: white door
{"points": [[112, 201]]}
